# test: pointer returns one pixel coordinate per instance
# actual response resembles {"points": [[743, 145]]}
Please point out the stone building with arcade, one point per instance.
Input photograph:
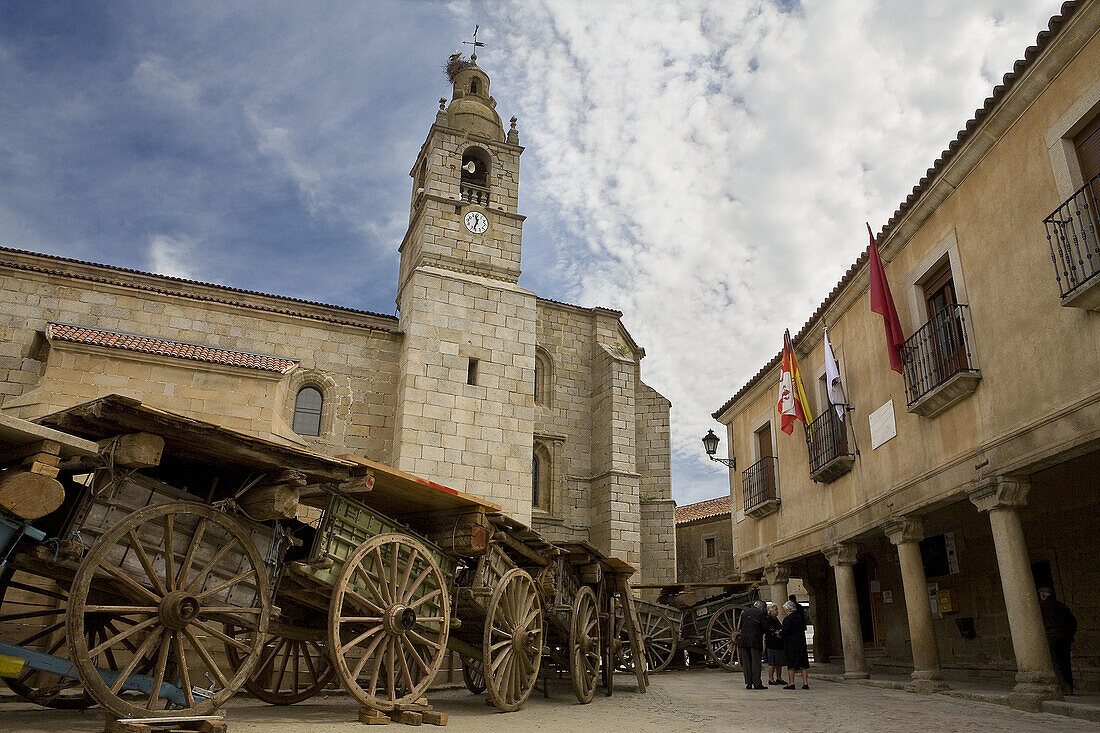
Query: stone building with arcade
{"points": [[478, 384], [923, 515]]}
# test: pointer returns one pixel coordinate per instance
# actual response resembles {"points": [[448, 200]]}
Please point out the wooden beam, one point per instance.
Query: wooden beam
{"points": [[521, 548], [31, 450], [134, 450], [30, 495], [277, 499]]}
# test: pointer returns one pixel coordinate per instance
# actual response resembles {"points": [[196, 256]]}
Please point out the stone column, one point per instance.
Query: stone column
{"points": [[906, 533], [842, 557], [1000, 497], [776, 576]]}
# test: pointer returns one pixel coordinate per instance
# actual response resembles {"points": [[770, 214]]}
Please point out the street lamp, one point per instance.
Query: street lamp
{"points": [[710, 444]]}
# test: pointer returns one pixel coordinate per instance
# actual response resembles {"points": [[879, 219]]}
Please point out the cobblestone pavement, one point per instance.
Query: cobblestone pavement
{"points": [[707, 700]]}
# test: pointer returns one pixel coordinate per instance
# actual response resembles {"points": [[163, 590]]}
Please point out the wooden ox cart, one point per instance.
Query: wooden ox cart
{"points": [[187, 561], [698, 619]]}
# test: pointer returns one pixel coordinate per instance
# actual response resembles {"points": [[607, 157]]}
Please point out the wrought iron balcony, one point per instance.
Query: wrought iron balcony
{"points": [[760, 486], [827, 439], [1072, 232], [940, 368], [474, 194]]}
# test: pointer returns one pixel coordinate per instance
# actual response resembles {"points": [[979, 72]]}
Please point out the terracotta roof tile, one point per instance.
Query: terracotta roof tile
{"points": [[1007, 82], [165, 347], [715, 507]]}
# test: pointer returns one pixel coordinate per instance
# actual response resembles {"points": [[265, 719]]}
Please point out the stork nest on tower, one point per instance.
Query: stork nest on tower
{"points": [[455, 65]]}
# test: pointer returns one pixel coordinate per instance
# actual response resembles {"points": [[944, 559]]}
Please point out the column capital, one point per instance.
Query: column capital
{"points": [[842, 553], [903, 529], [1000, 492], [776, 574]]}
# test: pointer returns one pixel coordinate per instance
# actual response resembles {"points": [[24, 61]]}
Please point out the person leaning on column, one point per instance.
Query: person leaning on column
{"points": [[1061, 626], [751, 624]]}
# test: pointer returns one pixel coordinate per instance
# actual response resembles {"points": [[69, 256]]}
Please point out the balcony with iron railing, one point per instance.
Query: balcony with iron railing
{"points": [[760, 487], [940, 366], [473, 194], [827, 439], [1072, 233]]}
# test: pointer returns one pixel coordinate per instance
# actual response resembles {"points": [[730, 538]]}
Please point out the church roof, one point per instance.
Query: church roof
{"points": [[337, 313], [708, 509], [167, 347], [1056, 23]]}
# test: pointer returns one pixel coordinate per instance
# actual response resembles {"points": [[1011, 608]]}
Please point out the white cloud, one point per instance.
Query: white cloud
{"points": [[715, 162], [155, 77], [172, 257]]}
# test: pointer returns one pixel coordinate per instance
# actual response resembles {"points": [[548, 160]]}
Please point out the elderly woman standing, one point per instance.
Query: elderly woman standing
{"points": [[795, 655], [773, 646]]}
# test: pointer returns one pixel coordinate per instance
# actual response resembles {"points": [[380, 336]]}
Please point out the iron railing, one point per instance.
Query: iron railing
{"points": [[939, 350], [758, 482], [827, 438], [474, 194], [1072, 235]]}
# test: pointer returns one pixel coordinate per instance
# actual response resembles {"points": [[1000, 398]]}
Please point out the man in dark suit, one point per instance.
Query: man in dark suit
{"points": [[752, 644]]}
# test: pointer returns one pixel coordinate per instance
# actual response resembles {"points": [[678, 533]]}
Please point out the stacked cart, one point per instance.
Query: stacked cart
{"points": [[187, 561]]}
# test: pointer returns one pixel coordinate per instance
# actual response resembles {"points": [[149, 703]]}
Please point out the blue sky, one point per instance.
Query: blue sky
{"points": [[705, 167]]}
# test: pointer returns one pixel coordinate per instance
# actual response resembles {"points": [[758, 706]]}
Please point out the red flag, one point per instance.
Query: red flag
{"points": [[883, 304], [793, 404]]}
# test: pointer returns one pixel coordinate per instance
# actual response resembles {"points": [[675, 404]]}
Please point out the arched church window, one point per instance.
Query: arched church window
{"points": [[542, 378], [540, 478], [473, 85], [307, 411]]}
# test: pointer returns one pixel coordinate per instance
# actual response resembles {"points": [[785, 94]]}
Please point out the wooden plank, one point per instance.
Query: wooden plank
{"points": [[431, 717], [370, 716], [15, 432], [397, 493], [408, 717], [633, 627], [521, 548], [31, 450]]}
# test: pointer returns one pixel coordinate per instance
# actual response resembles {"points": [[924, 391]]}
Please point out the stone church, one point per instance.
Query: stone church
{"points": [[479, 384]]}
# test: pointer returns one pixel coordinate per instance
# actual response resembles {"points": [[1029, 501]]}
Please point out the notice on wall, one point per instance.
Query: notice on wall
{"points": [[934, 600], [882, 425], [952, 556], [887, 596]]}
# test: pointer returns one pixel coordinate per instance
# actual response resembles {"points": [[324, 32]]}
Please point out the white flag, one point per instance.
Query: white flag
{"points": [[832, 379]]}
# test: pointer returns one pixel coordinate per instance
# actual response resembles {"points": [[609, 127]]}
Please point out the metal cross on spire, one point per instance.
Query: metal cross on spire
{"points": [[475, 43]]}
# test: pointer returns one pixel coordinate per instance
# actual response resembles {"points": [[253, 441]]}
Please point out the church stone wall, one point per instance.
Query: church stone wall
{"points": [[355, 367]]}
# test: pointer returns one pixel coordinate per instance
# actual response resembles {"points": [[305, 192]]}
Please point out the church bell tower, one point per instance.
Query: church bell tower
{"points": [[465, 412]]}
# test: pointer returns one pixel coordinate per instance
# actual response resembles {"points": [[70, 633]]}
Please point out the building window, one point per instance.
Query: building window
{"points": [[543, 373], [710, 548], [541, 469], [473, 86], [307, 411], [475, 168], [471, 372]]}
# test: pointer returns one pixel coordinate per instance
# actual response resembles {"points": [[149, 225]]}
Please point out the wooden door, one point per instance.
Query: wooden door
{"points": [[1087, 145], [946, 340]]}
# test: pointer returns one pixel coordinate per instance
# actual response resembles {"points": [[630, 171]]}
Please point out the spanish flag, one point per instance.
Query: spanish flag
{"points": [[793, 404]]}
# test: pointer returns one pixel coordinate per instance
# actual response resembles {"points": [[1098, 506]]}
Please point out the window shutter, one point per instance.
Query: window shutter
{"points": [[1087, 144]]}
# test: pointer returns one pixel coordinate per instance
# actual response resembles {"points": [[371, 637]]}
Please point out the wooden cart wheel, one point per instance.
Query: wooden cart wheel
{"points": [[512, 640], [32, 615], [658, 641], [584, 645], [473, 674], [182, 570], [720, 647], [388, 621], [294, 666]]}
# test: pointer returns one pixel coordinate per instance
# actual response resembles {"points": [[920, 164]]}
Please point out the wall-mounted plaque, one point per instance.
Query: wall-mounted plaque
{"points": [[882, 425]]}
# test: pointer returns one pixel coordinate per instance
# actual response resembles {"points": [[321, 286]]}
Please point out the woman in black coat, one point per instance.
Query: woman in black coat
{"points": [[795, 654]]}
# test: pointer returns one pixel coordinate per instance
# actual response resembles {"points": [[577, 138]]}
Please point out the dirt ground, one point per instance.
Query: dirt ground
{"points": [[707, 700]]}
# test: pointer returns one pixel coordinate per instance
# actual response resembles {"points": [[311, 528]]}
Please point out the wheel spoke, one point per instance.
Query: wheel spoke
{"points": [[218, 634], [366, 657], [362, 637], [232, 581], [419, 661], [144, 649], [371, 587], [129, 582], [423, 640], [404, 665], [218, 556], [185, 673], [205, 656], [169, 573], [41, 633], [196, 539], [416, 585], [120, 610], [159, 667], [408, 571], [122, 636], [135, 544], [309, 663], [425, 598], [380, 569]]}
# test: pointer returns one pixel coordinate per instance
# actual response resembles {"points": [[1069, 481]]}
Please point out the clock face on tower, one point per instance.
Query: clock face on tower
{"points": [[476, 222]]}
